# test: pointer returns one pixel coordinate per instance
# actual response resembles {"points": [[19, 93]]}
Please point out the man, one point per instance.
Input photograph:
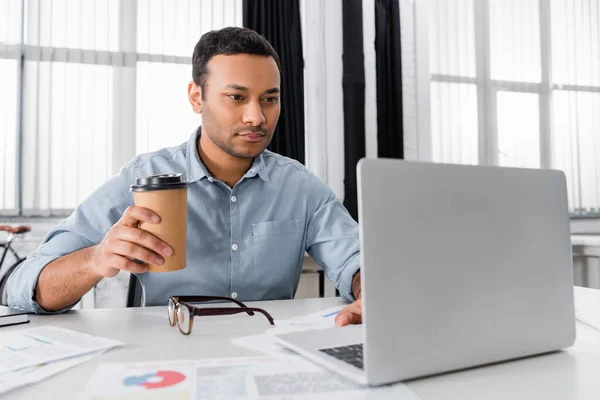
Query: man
{"points": [[251, 213]]}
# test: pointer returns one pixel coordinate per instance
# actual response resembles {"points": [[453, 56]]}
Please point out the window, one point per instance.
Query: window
{"points": [[102, 80], [10, 36], [167, 34], [517, 83]]}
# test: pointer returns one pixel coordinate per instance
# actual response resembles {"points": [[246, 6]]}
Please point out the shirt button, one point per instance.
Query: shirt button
{"points": [[233, 199], [234, 295], [234, 247]]}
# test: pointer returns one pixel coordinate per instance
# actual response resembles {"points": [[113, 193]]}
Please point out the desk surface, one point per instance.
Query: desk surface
{"points": [[570, 374]]}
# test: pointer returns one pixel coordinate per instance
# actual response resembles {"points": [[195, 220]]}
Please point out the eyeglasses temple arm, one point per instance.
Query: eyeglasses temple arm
{"points": [[230, 311]]}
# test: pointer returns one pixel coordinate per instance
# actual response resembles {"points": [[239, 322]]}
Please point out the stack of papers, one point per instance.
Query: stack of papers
{"points": [[281, 374], [230, 378], [30, 355]]}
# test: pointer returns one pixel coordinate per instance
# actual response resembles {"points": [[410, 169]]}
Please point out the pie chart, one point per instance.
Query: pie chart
{"points": [[156, 380]]}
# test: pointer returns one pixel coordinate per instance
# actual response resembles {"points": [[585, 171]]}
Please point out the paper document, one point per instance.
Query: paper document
{"points": [[232, 378], [266, 343], [30, 347], [323, 319], [28, 376]]}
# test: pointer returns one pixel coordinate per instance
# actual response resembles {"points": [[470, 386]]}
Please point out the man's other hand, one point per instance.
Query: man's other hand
{"points": [[351, 314]]}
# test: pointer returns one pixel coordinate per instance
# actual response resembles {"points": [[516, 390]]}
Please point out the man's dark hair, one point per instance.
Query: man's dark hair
{"points": [[228, 41]]}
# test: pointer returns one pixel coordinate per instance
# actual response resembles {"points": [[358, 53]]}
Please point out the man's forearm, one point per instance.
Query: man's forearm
{"points": [[65, 280]]}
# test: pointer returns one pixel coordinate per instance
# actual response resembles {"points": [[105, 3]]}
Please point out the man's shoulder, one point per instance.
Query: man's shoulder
{"points": [[289, 172], [274, 161], [173, 157]]}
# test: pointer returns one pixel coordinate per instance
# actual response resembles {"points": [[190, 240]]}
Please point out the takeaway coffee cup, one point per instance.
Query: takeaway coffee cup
{"points": [[166, 195]]}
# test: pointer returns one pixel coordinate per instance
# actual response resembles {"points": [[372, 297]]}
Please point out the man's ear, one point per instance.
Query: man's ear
{"points": [[195, 97]]}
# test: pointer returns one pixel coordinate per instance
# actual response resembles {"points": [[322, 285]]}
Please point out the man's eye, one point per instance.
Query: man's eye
{"points": [[272, 99], [236, 97]]}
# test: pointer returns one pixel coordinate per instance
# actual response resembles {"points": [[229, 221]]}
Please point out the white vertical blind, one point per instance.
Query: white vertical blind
{"points": [[575, 30], [515, 51], [576, 109], [452, 38], [85, 62], [82, 24], [576, 139], [321, 24], [68, 101], [518, 129], [164, 115], [167, 33], [10, 21], [539, 103], [10, 31], [454, 136], [8, 134], [454, 122]]}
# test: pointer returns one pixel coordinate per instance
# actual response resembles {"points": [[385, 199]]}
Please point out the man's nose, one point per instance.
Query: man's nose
{"points": [[253, 114]]}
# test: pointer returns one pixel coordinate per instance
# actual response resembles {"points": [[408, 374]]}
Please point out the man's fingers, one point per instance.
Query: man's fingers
{"points": [[348, 318], [342, 319], [133, 215], [351, 314], [134, 251], [125, 264], [145, 239]]}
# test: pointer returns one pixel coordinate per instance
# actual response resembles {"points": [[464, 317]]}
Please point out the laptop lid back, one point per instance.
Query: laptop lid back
{"points": [[462, 266]]}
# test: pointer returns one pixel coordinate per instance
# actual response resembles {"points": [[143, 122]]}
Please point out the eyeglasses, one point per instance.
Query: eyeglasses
{"points": [[182, 313]]}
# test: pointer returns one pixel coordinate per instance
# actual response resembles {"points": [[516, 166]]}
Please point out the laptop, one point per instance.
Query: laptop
{"points": [[461, 266]]}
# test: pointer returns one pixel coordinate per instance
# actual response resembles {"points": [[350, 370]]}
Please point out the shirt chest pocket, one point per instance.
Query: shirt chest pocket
{"points": [[277, 248]]}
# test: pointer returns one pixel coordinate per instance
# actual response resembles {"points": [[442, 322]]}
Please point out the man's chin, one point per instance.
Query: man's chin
{"points": [[247, 153]]}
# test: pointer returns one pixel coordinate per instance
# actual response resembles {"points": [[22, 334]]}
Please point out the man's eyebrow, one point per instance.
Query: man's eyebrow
{"points": [[245, 89], [237, 87]]}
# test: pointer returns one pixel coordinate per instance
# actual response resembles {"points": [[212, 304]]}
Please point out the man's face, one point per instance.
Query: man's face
{"points": [[240, 104]]}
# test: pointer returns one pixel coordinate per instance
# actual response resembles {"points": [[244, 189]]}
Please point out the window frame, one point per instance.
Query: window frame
{"points": [[124, 87], [487, 88]]}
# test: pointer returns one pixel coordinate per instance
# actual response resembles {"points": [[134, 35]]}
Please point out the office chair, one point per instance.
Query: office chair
{"points": [[134, 292]]}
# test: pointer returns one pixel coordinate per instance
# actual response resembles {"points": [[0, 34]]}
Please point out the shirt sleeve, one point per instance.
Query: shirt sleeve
{"points": [[332, 239], [85, 227]]}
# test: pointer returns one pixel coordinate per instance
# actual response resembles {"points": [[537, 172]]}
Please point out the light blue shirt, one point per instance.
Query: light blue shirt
{"points": [[276, 212]]}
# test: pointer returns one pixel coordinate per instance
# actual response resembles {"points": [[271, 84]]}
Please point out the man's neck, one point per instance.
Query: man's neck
{"points": [[221, 165]]}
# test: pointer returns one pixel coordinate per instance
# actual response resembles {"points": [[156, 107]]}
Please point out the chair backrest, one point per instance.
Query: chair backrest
{"points": [[134, 293]]}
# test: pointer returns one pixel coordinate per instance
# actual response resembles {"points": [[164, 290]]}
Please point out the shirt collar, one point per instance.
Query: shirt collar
{"points": [[196, 169], [258, 167]]}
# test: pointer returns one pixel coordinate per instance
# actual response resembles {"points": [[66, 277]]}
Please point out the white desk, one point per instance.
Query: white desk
{"points": [[572, 374]]}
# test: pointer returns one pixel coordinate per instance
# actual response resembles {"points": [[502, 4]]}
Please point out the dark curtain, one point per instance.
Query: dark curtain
{"points": [[390, 141], [279, 22], [353, 82]]}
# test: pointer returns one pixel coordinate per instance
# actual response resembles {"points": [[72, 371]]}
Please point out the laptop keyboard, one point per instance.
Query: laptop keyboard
{"points": [[352, 354]]}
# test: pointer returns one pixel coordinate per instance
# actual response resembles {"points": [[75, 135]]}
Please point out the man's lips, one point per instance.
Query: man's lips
{"points": [[252, 136]]}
